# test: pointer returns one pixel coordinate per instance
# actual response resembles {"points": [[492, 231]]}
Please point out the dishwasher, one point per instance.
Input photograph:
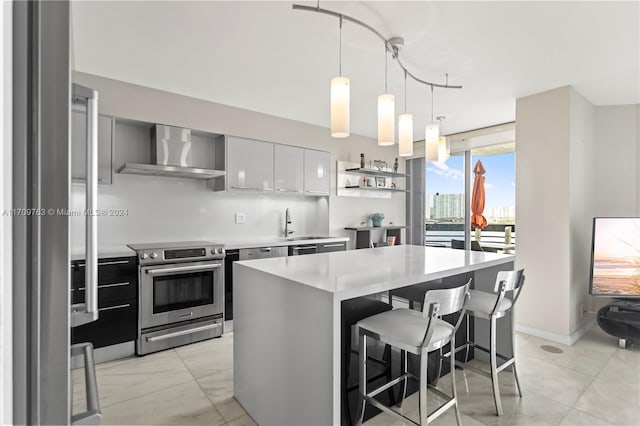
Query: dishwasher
{"points": [[243, 254]]}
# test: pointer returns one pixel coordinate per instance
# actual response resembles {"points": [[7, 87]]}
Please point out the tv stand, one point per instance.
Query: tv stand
{"points": [[621, 319]]}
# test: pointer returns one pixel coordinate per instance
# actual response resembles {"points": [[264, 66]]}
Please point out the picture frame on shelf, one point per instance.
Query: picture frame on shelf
{"points": [[381, 182]]}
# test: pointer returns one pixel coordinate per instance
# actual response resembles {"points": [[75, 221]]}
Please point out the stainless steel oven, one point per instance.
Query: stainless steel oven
{"points": [[181, 294]]}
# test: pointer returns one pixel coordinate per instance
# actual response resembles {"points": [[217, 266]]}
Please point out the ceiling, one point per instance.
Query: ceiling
{"points": [[266, 57]]}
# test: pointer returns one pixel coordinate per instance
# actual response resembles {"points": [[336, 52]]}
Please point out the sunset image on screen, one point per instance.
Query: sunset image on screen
{"points": [[616, 257]]}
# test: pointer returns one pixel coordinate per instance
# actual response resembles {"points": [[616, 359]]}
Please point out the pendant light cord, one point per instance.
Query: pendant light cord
{"points": [[405, 92], [432, 104], [386, 59], [340, 50]]}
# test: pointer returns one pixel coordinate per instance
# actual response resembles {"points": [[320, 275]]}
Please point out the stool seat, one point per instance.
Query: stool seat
{"points": [[405, 329], [481, 304]]}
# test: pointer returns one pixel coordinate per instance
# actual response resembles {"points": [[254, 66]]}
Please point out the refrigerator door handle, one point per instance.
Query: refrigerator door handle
{"points": [[93, 415], [88, 311]]}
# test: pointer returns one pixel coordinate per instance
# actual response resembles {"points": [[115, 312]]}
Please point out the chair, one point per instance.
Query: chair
{"points": [[418, 333], [491, 306], [354, 310]]}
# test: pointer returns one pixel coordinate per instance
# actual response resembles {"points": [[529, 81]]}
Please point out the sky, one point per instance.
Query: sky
{"points": [[617, 238], [500, 178]]}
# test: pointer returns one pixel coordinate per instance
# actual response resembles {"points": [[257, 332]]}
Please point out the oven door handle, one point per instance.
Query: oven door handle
{"points": [[183, 332], [182, 269]]}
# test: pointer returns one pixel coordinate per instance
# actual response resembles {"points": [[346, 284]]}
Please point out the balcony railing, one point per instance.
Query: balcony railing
{"points": [[441, 234]]}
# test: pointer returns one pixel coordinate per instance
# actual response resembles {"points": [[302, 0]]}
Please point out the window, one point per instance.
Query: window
{"points": [[445, 213]]}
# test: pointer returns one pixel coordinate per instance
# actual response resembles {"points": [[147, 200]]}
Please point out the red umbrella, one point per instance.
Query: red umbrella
{"points": [[477, 198]]}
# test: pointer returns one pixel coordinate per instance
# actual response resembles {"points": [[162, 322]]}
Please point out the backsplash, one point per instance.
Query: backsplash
{"points": [[152, 209]]}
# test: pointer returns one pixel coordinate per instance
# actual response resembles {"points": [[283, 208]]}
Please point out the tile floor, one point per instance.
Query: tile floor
{"points": [[590, 383]]}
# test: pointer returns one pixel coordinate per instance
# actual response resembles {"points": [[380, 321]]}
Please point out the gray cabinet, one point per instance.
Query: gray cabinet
{"points": [[317, 168], [79, 147], [249, 165], [289, 169]]}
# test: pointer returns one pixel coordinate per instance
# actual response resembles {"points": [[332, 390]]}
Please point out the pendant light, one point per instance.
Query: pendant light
{"points": [[405, 128], [386, 112], [340, 100], [444, 151], [431, 134]]}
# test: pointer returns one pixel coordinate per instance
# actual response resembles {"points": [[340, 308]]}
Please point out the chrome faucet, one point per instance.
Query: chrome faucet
{"points": [[287, 222]]}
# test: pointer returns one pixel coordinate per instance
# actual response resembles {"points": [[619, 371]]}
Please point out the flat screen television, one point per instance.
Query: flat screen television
{"points": [[615, 257]]}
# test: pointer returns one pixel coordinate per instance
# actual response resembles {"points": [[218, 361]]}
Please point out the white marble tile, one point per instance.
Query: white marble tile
{"points": [[586, 357], [183, 404], [208, 357], [219, 389], [124, 380], [242, 421], [614, 395], [580, 418]]}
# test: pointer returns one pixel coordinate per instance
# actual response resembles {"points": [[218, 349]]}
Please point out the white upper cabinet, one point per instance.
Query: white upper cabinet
{"points": [[79, 147], [289, 169], [317, 168], [249, 165]]}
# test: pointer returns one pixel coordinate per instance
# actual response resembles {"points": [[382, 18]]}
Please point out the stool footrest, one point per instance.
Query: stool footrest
{"points": [[387, 385], [482, 348]]}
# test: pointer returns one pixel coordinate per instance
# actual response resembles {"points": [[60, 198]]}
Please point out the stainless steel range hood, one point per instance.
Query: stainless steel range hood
{"points": [[171, 156]]}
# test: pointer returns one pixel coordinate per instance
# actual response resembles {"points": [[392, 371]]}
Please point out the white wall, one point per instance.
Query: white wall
{"points": [[170, 209], [582, 179], [617, 169], [6, 312], [574, 161], [543, 209], [617, 153]]}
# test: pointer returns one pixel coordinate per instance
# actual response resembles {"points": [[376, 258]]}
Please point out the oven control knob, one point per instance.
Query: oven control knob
{"points": [[221, 250], [154, 255], [143, 256]]}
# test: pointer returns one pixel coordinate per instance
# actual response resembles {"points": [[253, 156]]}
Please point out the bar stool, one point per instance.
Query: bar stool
{"points": [[418, 333], [354, 310], [491, 306]]}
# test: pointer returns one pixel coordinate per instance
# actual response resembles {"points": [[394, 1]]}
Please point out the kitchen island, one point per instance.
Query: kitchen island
{"points": [[287, 321]]}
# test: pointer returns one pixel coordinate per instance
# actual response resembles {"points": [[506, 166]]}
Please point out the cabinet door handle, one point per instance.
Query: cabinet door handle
{"points": [[110, 308], [250, 188], [309, 191], [265, 249], [113, 262], [104, 286], [297, 191], [88, 311], [332, 245]]}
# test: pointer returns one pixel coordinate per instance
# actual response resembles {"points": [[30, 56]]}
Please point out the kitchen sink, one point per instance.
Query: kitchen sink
{"points": [[310, 237]]}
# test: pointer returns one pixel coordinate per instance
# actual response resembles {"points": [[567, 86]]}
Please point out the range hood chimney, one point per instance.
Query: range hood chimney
{"points": [[171, 156]]}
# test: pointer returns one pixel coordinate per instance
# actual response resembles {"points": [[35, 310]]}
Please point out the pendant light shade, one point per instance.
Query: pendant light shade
{"points": [[443, 149], [340, 107], [405, 135], [431, 134], [386, 120]]}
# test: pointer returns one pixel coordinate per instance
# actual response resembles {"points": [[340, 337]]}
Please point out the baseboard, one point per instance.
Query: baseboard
{"points": [[555, 337]]}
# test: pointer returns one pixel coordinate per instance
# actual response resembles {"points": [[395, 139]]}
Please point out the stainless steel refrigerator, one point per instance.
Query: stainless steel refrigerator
{"points": [[42, 312]]}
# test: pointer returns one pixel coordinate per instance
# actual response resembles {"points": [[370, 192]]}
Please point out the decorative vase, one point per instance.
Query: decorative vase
{"points": [[376, 219]]}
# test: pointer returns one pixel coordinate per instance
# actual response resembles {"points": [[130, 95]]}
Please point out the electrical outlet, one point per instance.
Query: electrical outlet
{"points": [[241, 218]]}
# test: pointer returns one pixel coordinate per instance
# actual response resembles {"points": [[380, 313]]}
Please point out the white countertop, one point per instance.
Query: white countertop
{"points": [[355, 273], [277, 242], [78, 253]]}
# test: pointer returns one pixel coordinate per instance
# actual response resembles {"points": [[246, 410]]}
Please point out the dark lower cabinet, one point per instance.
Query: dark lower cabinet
{"points": [[117, 302]]}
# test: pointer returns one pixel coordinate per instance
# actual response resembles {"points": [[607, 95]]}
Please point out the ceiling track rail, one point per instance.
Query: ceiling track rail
{"points": [[392, 45]]}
